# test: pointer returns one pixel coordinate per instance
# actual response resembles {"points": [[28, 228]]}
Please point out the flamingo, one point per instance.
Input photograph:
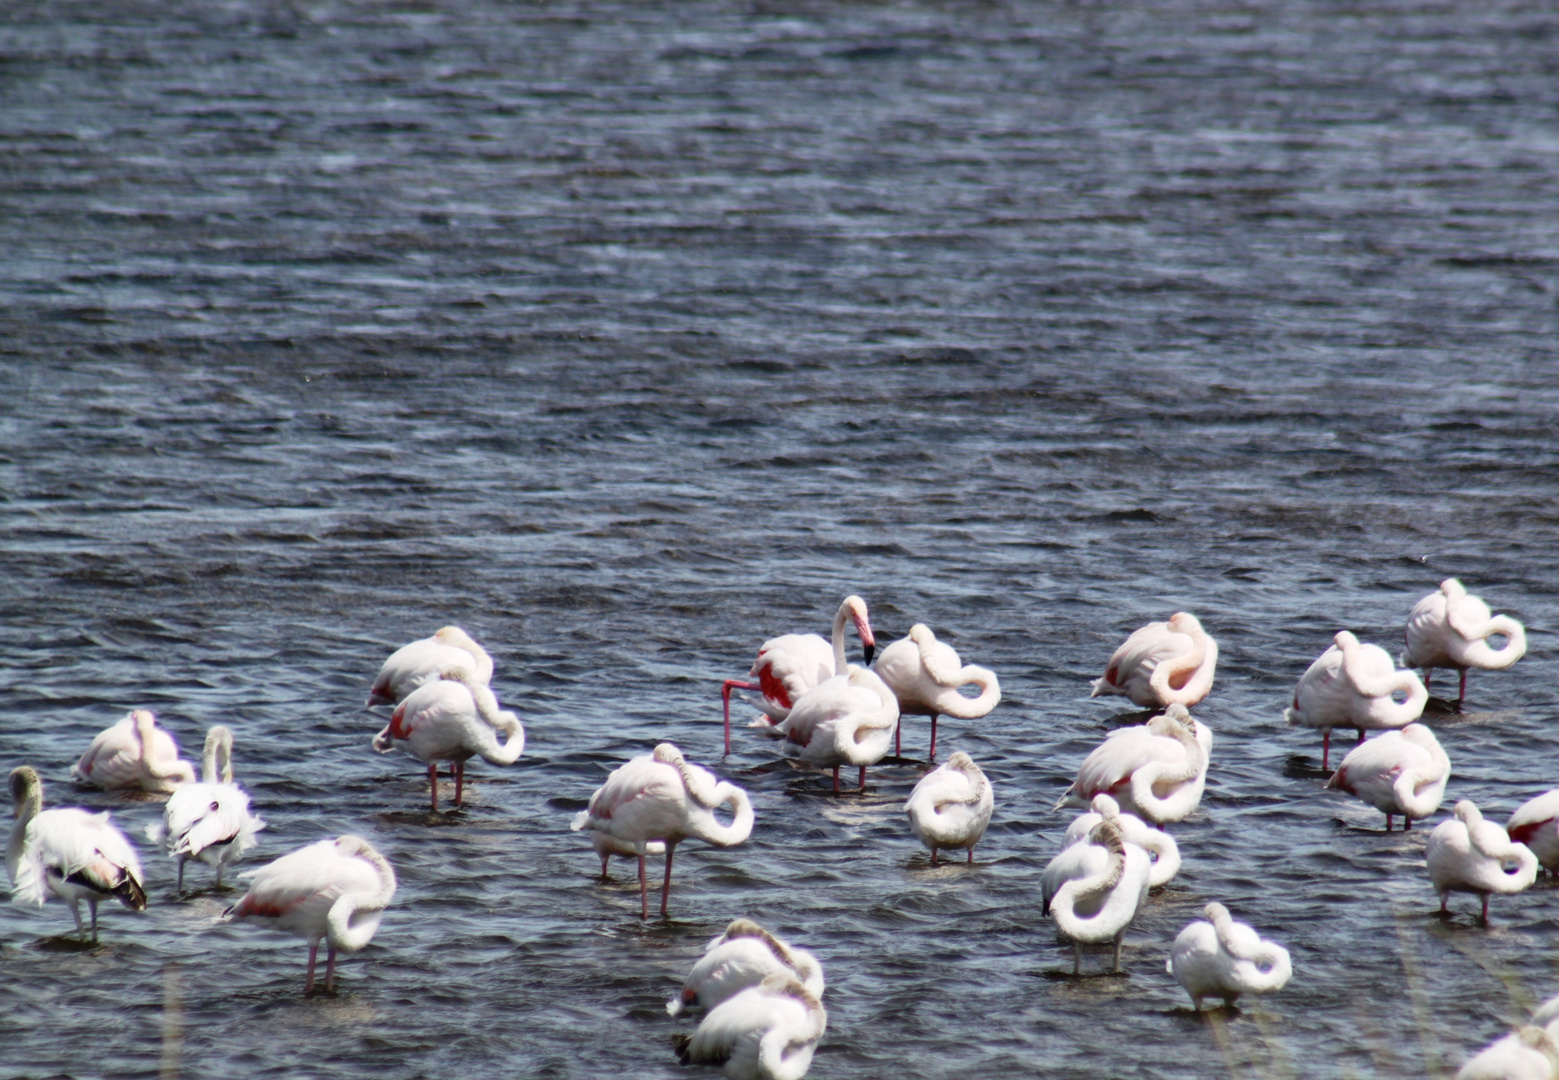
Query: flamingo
{"points": [[744, 956], [606, 847], [1156, 842], [1401, 772], [951, 806], [68, 852], [134, 753], [663, 796], [1527, 1054], [1162, 664], [423, 660], [1156, 770], [1354, 685], [209, 821], [332, 889], [1469, 854], [1100, 905], [846, 720], [452, 720], [925, 674], [1226, 958], [766, 1032], [791, 664], [1536, 824], [1451, 628]]}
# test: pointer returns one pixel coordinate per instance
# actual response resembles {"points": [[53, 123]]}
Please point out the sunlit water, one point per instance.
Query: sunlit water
{"points": [[630, 335]]}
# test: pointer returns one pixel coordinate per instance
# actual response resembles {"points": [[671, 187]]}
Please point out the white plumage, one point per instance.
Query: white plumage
{"points": [[134, 753], [766, 1032], [1162, 664], [744, 956], [1225, 958], [1156, 770], [1355, 685], [1469, 854], [925, 676], [1399, 772], [454, 718], [420, 662], [1451, 628], [951, 806], [209, 821]]}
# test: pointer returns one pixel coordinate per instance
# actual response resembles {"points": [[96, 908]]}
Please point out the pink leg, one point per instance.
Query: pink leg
{"points": [[898, 731], [459, 769], [644, 892], [836, 779], [1361, 734], [1326, 748], [863, 777], [1485, 909], [308, 983], [604, 875], [330, 969], [665, 890], [725, 696], [933, 736], [1443, 898], [1407, 823], [1388, 822], [433, 784], [1461, 693], [934, 854], [970, 860]]}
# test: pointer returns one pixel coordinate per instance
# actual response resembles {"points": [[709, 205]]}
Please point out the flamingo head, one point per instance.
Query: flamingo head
{"points": [[24, 781], [1453, 589], [1105, 806], [667, 754], [863, 625], [1467, 813], [1183, 622]]}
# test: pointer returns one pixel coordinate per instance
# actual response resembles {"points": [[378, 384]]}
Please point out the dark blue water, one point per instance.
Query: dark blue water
{"points": [[630, 335]]}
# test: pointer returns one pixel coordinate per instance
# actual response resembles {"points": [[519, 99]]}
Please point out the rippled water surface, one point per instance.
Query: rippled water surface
{"points": [[628, 335]]}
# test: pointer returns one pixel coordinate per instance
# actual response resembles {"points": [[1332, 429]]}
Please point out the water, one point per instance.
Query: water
{"points": [[630, 335]]}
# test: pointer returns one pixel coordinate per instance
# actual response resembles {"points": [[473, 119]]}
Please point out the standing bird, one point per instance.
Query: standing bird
{"points": [[1451, 629], [1156, 770], [134, 753], [209, 821], [1536, 824], [744, 956], [1162, 664], [951, 806], [792, 664], [1225, 958], [1156, 842], [1528, 1054], [332, 889], [68, 852], [1469, 854], [766, 1032], [663, 796], [453, 719], [1354, 685], [846, 720], [1400, 772], [925, 674], [1100, 906], [424, 660]]}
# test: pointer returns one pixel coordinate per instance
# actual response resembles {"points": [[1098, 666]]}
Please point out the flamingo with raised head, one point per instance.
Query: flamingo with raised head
{"points": [[68, 852], [743, 956], [1226, 958], [846, 720], [1355, 685], [1156, 842], [424, 660], [209, 821], [454, 719], [1155, 770], [766, 1032], [951, 806], [663, 796], [1162, 664], [1099, 906], [1536, 824], [1469, 854], [925, 675], [335, 890], [790, 665], [1451, 629], [1400, 772], [134, 753]]}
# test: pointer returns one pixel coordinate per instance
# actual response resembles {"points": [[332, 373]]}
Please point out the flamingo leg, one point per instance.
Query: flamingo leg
{"points": [[665, 891], [1120, 940], [1326, 748], [970, 860], [836, 779], [863, 777], [1485, 913], [1388, 822], [604, 875], [898, 746], [330, 968], [725, 697], [1077, 959], [934, 854], [933, 736], [1443, 898], [1361, 734], [75, 909], [644, 893], [181, 873], [433, 784], [1461, 693], [459, 769], [92, 907], [308, 983], [1407, 823]]}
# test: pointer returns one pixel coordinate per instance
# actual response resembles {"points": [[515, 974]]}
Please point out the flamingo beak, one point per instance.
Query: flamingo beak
{"points": [[869, 650]]}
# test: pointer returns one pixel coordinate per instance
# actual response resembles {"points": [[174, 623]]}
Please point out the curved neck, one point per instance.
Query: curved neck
{"points": [[146, 733], [1481, 654], [1420, 791], [841, 663], [28, 805], [965, 708], [1169, 672], [217, 761], [453, 635], [343, 929], [1146, 778], [509, 752], [707, 827], [784, 1052]]}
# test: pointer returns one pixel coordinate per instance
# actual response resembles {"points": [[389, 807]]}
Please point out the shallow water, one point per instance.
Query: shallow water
{"points": [[630, 335]]}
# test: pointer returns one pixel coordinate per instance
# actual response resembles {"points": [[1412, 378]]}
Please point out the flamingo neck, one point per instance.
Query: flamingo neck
{"points": [[345, 930], [217, 760], [27, 803]]}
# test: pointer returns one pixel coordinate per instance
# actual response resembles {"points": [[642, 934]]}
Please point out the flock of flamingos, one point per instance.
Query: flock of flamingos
{"points": [[760, 997]]}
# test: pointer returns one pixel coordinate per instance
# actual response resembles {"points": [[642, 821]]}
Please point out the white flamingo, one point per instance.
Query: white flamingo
{"points": [[1162, 664], [790, 665], [1355, 685], [846, 720], [1469, 854], [951, 806], [1451, 629], [134, 753], [68, 852], [925, 675], [1400, 772], [1156, 842], [662, 796], [1530, 1053], [743, 956], [766, 1032], [453, 719], [1225, 958], [1098, 907], [209, 821], [423, 661], [1156, 770], [335, 890], [1536, 824]]}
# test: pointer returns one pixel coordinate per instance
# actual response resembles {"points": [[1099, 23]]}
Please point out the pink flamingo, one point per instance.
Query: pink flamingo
{"points": [[420, 662], [925, 674], [453, 719], [1451, 628], [1162, 664], [134, 753]]}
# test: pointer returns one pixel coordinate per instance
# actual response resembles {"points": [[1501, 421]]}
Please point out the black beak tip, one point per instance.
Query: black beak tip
{"points": [[869, 651]]}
